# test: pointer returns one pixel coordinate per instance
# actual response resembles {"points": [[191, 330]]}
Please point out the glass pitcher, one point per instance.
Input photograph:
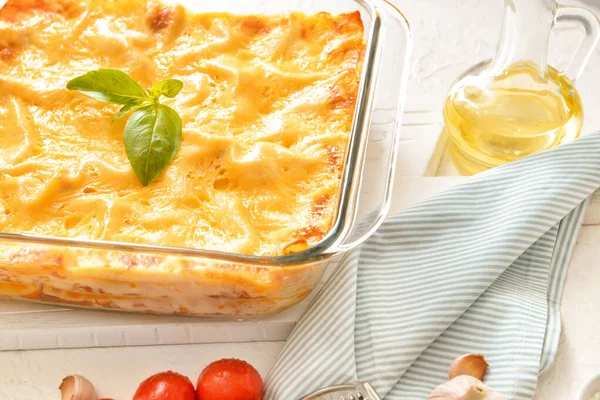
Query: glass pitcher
{"points": [[516, 104]]}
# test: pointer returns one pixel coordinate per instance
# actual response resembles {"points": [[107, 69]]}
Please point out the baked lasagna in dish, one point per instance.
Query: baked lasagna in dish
{"points": [[266, 106]]}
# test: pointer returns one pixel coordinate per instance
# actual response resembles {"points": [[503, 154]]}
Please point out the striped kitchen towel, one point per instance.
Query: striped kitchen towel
{"points": [[479, 268]]}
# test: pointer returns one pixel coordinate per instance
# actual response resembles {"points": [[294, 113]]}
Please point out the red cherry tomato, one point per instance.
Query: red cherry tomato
{"points": [[229, 379], [166, 386]]}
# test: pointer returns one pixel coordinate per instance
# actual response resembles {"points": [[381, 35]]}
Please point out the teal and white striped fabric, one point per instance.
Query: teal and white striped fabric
{"points": [[479, 268]]}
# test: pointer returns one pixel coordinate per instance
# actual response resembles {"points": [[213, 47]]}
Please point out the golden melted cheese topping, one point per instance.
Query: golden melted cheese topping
{"points": [[267, 107]]}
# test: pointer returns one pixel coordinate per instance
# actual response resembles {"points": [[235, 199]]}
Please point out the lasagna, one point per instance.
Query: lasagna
{"points": [[267, 107]]}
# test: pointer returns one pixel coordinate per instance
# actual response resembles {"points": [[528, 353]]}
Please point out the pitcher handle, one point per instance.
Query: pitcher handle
{"points": [[588, 43]]}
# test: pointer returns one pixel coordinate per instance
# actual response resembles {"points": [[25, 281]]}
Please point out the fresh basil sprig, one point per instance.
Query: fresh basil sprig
{"points": [[152, 134]]}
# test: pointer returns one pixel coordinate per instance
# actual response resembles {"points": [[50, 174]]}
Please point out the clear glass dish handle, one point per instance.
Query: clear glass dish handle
{"points": [[372, 201], [586, 47]]}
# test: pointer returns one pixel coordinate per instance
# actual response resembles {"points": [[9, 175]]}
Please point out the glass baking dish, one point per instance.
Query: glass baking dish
{"points": [[171, 280]]}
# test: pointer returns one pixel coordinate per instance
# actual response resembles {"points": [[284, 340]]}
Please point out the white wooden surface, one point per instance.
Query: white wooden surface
{"points": [[450, 35]]}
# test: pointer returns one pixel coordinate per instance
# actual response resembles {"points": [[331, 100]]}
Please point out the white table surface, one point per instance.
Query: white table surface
{"points": [[450, 35]]}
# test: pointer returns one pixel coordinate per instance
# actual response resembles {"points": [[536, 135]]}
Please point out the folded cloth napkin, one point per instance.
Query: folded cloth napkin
{"points": [[479, 268]]}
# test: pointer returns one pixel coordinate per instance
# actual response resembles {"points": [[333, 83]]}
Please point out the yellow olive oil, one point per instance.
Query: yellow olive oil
{"points": [[491, 121]]}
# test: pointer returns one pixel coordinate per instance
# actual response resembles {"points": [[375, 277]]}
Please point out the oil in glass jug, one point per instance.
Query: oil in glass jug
{"points": [[516, 104]]}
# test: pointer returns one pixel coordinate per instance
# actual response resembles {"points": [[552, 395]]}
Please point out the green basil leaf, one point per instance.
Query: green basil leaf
{"points": [[110, 85], [152, 134], [168, 87], [127, 108], [152, 96], [152, 137]]}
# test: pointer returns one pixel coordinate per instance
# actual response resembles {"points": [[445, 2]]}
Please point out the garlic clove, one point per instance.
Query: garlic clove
{"points": [[465, 387], [468, 364], [76, 387], [476, 392]]}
